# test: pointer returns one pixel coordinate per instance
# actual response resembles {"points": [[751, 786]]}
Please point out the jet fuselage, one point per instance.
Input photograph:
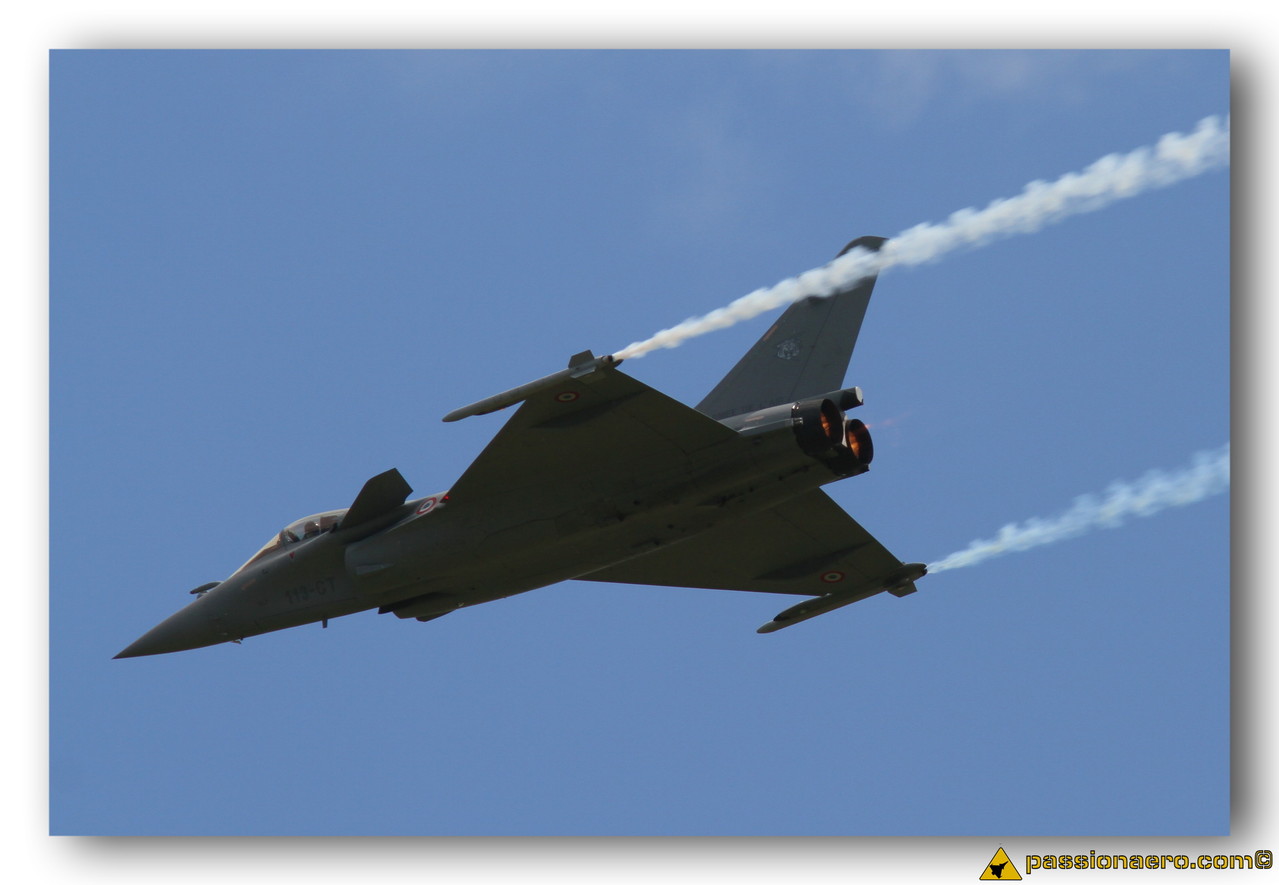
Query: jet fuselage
{"points": [[437, 554], [598, 476]]}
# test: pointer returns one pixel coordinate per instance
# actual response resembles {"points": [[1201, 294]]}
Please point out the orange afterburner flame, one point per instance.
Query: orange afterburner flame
{"points": [[832, 422], [857, 438]]}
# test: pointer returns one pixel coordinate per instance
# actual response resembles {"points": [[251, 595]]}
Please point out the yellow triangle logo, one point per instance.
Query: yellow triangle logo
{"points": [[1000, 869]]}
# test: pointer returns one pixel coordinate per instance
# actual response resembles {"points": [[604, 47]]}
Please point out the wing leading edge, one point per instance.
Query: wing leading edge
{"points": [[592, 432]]}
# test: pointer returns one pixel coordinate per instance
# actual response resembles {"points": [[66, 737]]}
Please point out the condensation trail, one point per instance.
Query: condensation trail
{"points": [[1208, 474], [1174, 158]]}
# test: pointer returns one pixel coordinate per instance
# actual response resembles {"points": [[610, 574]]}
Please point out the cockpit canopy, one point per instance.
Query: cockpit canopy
{"points": [[299, 530]]}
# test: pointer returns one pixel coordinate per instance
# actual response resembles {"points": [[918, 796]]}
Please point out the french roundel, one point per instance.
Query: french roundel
{"points": [[427, 506], [567, 396], [833, 577]]}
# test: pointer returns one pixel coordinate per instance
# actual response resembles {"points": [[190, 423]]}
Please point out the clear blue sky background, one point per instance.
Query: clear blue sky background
{"points": [[272, 274]]}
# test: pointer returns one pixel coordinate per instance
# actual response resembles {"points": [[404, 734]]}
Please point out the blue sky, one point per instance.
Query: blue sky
{"points": [[272, 273]]}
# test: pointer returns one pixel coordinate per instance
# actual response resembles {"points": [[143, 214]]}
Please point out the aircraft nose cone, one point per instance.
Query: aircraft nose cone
{"points": [[192, 627]]}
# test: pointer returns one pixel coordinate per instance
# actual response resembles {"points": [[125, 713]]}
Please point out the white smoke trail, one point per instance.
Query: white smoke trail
{"points": [[1209, 474], [1174, 158]]}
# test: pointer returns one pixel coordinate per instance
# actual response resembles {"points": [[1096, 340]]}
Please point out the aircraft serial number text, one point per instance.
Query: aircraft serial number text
{"points": [[305, 593]]}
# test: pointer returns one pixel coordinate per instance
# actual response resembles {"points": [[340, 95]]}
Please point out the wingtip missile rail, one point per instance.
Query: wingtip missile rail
{"points": [[899, 583], [579, 365]]}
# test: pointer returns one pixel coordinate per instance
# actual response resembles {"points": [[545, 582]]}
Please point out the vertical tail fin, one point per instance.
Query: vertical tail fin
{"points": [[805, 352]]}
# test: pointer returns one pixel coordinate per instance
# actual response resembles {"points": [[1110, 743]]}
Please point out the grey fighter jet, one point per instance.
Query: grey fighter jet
{"points": [[599, 477]]}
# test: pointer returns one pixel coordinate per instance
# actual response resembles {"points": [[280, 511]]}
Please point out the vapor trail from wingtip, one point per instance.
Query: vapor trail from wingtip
{"points": [[1175, 157], [1207, 475]]}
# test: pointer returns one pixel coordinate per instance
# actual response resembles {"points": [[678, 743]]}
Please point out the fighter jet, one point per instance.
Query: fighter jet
{"points": [[599, 477]]}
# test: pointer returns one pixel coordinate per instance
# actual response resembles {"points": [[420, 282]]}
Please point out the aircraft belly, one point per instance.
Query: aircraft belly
{"points": [[478, 551], [525, 558]]}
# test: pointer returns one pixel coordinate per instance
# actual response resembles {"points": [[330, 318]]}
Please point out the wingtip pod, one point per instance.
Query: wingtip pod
{"points": [[580, 364], [899, 582], [902, 582]]}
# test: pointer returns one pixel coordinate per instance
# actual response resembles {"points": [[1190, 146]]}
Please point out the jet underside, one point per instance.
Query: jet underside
{"points": [[599, 477]]}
